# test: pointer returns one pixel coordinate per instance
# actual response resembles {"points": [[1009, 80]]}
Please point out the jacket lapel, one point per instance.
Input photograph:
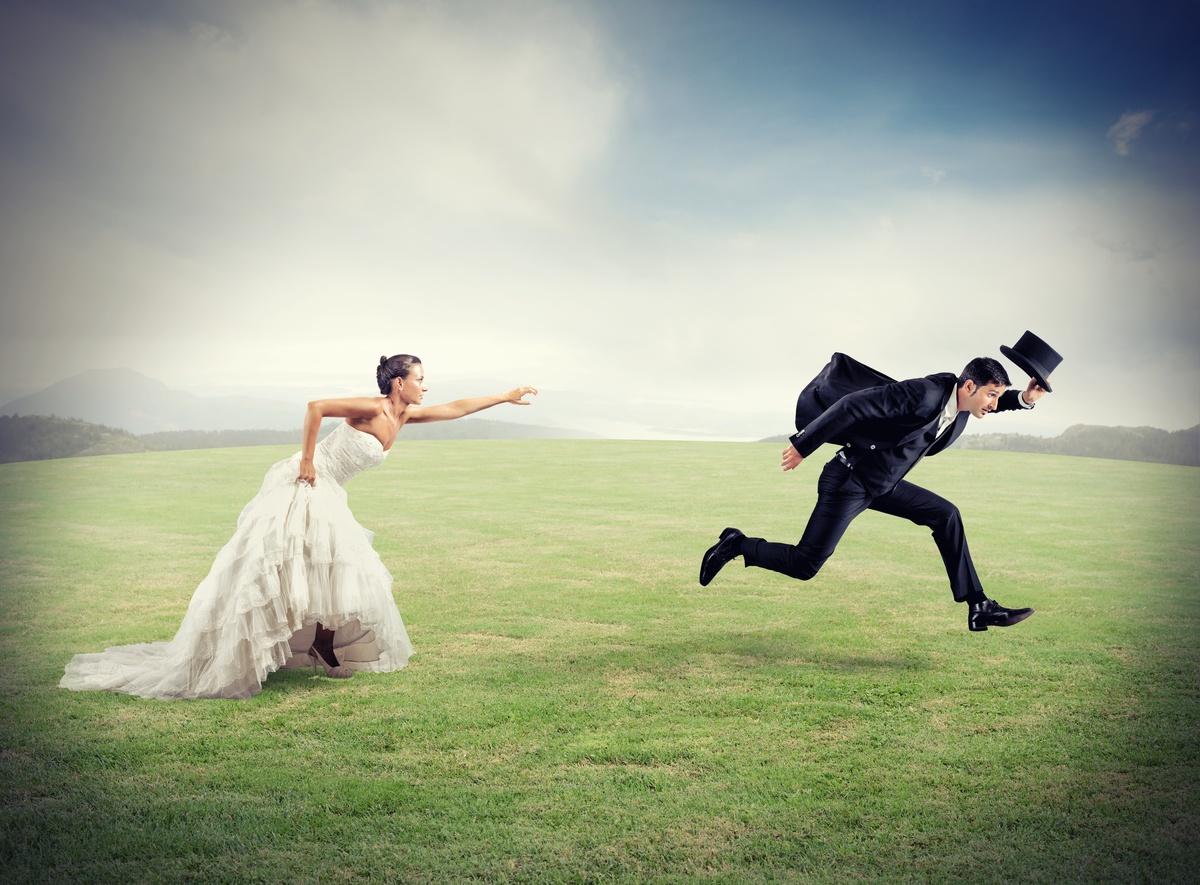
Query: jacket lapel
{"points": [[953, 432]]}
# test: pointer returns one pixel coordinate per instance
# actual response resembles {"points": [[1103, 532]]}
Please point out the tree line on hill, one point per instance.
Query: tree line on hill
{"points": [[1093, 441], [35, 438], [38, 438]]}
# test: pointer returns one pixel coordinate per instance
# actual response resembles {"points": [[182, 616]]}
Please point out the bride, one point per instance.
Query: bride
{"points": [[298, 584]]}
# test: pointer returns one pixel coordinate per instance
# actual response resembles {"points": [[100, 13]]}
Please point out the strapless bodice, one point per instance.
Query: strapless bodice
{"points": [[346, 452]]}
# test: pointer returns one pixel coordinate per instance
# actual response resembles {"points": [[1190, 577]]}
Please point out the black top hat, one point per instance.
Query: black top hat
{"points": [[1037, 358]]}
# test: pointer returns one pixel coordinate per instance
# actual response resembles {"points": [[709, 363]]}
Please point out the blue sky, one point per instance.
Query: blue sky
{"points": [[665, 214]]}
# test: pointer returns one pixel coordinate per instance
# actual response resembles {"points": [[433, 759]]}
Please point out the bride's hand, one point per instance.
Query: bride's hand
{"points": [[308, 473], [517, 397]]}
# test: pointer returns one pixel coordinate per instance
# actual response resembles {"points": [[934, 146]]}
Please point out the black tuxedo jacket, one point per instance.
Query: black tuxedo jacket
{"points": [[885, 429]]}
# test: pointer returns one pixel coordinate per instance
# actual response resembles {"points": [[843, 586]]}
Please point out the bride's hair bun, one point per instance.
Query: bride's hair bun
{"points": [[397, 366]]}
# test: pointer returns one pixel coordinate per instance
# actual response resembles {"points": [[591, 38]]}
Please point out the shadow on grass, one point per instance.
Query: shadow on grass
{"points": [[289, 681]]}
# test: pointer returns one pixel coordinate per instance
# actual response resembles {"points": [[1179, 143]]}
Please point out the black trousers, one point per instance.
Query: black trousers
{"points": [[840, 498]]}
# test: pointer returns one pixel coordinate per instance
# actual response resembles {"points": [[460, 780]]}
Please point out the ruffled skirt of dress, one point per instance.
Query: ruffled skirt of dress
{"points": [[298, 557]]}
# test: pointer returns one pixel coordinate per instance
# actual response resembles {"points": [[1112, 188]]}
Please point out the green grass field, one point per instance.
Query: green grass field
{"points": [[579, 709]]}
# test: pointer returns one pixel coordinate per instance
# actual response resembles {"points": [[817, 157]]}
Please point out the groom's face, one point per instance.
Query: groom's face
{"points": [[979, 400]]}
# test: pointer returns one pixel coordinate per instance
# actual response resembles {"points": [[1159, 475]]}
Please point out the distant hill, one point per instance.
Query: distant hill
{"points": [[483, 428], [38, 437], [176, 440], [132, 401], [1093, 441], [148, 409], [464, 428]]}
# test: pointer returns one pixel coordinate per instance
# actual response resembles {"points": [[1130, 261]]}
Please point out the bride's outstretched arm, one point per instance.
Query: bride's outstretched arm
{"points": [[460, 407]]}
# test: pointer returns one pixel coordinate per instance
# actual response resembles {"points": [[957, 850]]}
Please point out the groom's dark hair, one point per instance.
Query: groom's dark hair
{"points": [[984, 370]]}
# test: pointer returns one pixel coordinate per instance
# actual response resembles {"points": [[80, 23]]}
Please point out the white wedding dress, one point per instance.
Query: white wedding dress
{"points": [[298, 557]]}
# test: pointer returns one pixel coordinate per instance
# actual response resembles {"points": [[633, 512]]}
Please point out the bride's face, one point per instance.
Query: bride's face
{"points": [[412, 388]]}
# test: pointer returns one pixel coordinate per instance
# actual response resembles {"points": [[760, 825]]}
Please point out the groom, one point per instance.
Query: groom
{"points": [[884, 428]]}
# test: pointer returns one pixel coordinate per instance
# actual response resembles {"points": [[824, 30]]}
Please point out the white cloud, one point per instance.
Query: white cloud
{"points": [[1126, 130], [323, 107], [302, 166]]}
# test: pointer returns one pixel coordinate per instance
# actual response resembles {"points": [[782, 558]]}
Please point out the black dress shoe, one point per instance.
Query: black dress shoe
{"points": [[720, 553], [990, 613]]}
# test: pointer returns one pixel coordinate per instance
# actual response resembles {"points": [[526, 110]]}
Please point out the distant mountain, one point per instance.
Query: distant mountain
{"points": [[40, 438], [482, 428], [465, 428], [129, 400]]}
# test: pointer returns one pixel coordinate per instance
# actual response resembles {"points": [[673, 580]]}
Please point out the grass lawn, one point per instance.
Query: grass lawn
{"points": [[579, 709]]}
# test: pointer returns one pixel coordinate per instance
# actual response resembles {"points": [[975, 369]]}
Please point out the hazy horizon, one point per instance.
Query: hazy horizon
{"points": [[665, 214], [750, 427]]}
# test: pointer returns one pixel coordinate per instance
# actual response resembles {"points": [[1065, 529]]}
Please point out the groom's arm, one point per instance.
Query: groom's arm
{"points": [[896, 401]]}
